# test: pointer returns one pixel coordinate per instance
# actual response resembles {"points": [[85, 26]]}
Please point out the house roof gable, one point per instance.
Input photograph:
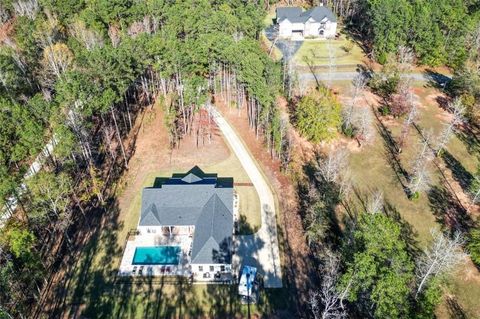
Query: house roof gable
{"points": [[295, 14], [190, 201]]}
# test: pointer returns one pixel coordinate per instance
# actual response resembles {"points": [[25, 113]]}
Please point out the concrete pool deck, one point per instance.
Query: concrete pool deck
{"points": [[182, 268]]}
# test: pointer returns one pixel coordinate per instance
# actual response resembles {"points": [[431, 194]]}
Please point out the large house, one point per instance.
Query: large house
{"points": [[318, 22], [185, 228]]}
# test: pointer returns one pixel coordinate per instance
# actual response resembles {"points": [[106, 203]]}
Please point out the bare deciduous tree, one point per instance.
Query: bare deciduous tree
{"points": [[409, 120], [402, 101], [375, 203], [458, 111], [27, 8], [420, 180], [332, 166], [332, 62], [114, 34], [327, 302], [364, 124], [89, 38], [442, 256], [56, 59], [358, 85], [405, 58]]}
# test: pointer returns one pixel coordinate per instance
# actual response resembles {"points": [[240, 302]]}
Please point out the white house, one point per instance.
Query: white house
{"points": [[318, 22], [185, 228]]}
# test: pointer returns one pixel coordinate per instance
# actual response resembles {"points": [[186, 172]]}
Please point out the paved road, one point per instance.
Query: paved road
{"points": [[260, 249], [346, 76]]}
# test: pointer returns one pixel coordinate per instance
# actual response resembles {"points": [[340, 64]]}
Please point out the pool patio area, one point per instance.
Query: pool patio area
{"points": [[183, 268]]}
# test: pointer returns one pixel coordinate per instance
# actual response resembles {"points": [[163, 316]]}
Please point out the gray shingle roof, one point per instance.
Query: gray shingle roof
{"points": [[198, 199], [288, 13], [295, 14]]}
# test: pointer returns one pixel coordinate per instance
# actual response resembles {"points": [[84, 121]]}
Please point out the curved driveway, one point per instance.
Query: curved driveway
{"points": [[260, 249]]}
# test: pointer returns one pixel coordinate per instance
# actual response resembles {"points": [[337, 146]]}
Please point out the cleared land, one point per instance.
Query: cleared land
{"points": [[445, 203]]}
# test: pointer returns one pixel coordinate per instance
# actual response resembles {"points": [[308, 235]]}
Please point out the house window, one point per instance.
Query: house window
{"points": [[200, 268], [211, 268], [222, 268]]}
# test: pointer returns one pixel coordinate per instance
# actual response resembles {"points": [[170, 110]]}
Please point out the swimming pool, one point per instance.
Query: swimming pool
{"points": [[157, 255]]}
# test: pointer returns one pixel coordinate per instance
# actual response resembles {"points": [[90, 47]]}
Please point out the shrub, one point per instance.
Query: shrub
{"points": [[473, 245], [349, 131], [384, 110]]}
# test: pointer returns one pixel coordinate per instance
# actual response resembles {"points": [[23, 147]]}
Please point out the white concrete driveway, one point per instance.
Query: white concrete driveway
{"points": [[260, 249]]}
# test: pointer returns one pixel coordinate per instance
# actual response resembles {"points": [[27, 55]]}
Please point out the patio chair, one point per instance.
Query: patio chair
{"points": [[134, 271], [140, 271], [162, 269]]}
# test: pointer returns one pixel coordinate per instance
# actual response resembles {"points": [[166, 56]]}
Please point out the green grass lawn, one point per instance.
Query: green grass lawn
{"points": [[316, 53], [371, 170]]}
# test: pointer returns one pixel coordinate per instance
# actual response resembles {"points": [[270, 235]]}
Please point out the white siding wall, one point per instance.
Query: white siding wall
{"points": [[200, 269], [311, 29], [159, 230], [298, 26], [330, 29], [285, 29], [144, 230]]}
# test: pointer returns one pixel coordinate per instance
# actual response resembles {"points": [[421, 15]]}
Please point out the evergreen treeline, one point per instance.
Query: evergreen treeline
{"points": [[441, 32]]}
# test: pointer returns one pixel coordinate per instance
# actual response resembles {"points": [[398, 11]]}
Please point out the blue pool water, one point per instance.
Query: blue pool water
{"points": [[157, 255]]}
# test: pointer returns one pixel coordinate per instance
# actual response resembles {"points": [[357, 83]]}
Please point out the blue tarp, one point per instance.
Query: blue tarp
{"points": [[246, 280]]}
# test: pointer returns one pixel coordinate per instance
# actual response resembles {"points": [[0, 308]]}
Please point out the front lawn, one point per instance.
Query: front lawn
{"points": [[315, 53]]}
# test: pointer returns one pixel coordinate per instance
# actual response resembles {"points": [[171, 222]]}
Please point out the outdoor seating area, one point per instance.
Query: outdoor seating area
{"points": [[155, 271], [127, 267]]}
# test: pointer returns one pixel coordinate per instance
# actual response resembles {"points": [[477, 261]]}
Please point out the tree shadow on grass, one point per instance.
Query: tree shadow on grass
{"points": [[460, 174], [243, 227], [408, 233], [455, 310], [469, 135], [93, 280], [325, 193], [448, 210], [391, 155]]}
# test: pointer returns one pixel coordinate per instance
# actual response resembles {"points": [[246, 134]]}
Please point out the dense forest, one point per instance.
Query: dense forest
{"points": [[441, 32], [75, 75]]}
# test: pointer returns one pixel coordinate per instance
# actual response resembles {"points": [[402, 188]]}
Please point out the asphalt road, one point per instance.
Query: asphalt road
{"points": [[346, 76]]}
